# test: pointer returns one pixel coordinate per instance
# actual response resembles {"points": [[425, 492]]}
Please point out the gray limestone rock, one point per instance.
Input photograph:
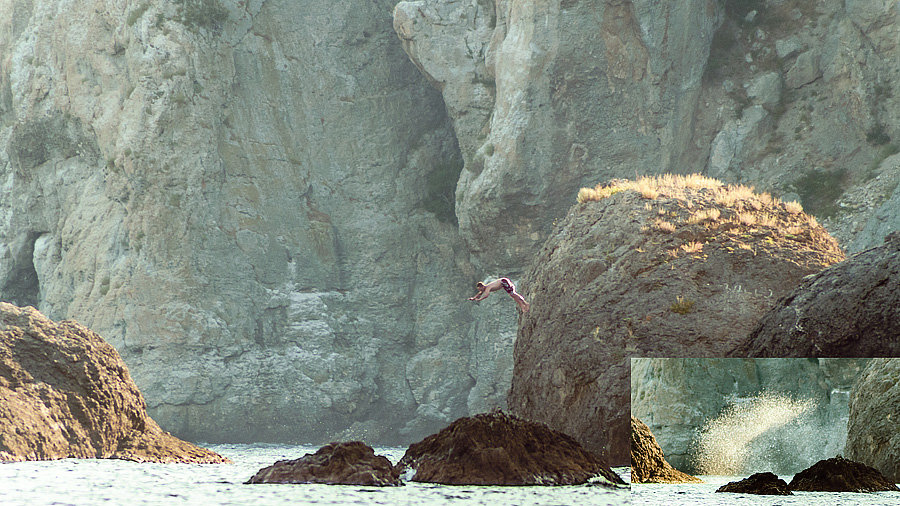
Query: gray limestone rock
{"points": [[254, 203], [874, 407], [558, 95]]}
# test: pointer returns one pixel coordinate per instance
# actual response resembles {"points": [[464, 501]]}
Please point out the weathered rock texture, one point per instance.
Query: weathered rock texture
{"points": [[648, 464], [254, 204], [676, 396], [760, 484], [548, 96], [872, 436], [684, 270], [65, 392], [500, 449], [351, 463], [841, 475], [260, 203], [851, 309], [795, 96]]}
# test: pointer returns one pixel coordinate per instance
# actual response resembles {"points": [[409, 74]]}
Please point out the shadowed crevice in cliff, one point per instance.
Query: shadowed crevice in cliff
{"points": [[21, 285]]}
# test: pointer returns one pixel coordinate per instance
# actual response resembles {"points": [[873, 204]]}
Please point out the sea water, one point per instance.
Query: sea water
{"points": [[658, 494], [118, 482]]}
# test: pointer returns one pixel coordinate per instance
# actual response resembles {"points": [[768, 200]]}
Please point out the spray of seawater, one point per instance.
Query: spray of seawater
{"points": [[768, 432]]}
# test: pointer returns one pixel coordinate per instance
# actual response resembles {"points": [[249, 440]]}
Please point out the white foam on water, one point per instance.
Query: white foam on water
{"points": [[767, 432]]}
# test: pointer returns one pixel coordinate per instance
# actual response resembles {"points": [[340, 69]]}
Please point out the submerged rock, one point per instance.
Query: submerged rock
{"points": [[851, 309], [658, 267], [872, 436], [351, 463], [841, 475], [500, 449], [759, 483], [648, 464], [65, 392]]}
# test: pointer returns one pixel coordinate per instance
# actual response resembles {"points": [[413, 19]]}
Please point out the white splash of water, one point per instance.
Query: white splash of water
{"points": [[767, 432]]}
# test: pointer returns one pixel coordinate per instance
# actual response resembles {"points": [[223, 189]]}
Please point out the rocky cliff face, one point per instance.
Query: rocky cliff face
{"points": [[254, 202], [675, 397], [796, 97], [874, 405], [548, 96], [273, 216], [851, 309]]}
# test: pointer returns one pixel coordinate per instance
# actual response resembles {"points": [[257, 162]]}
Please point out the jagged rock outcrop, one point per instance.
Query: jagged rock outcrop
{"points": [[673, 266], [851, 309], [253, 202], [795, 97], [872, 436], [675, 397], [349, 463], [548, 96], [648, 464], [760, 484], [500, 449], [65, 392], [841, 475]]}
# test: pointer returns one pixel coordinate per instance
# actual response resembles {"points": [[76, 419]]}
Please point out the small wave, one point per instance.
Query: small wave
{"points": [[766, 432]]}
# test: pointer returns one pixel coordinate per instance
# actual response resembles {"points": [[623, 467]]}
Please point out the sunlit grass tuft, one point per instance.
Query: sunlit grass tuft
{"points": [[664, 226], [793, 207]]}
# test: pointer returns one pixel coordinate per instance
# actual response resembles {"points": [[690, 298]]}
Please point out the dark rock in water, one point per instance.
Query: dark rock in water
{"points": [[648, 464], [759, 483], [664, 267], [841, 475], [851, 309], [65, 392], [874, 411], [500, 449], [351, 463]]}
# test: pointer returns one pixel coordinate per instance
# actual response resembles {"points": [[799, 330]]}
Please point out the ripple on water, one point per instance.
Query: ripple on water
{"points": [[87, 482]]}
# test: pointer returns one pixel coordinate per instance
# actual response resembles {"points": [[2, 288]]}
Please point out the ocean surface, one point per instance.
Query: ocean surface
{"points": [[116, 482], [705, 493]]}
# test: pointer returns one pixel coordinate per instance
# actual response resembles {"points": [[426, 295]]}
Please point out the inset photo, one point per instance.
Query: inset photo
{"points": [[705, 429]]}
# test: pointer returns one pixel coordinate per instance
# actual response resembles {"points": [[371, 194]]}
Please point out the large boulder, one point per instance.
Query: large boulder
{"points": [[760, 484], [65, 392], [500, 449], [350, 463], [841, 475], [648, 464], [872, 436], [851, 309], [659, 267]]}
